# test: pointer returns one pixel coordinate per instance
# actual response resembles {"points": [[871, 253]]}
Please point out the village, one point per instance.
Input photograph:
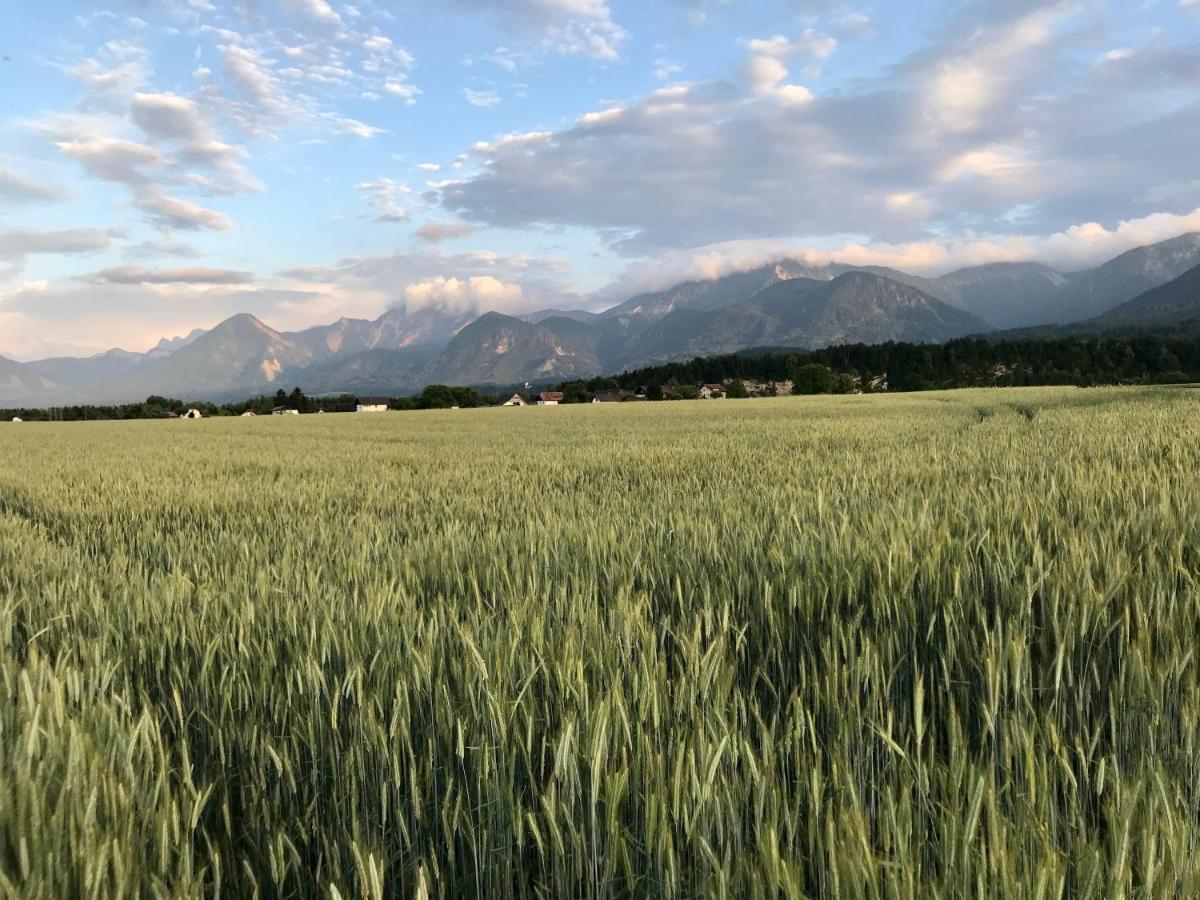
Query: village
{"points": [[444, 397]]}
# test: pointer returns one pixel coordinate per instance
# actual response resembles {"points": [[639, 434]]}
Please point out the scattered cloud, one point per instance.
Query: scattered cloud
{"points": [[566, 27], [21, 242], [436, 232], [384, 196], [174, 212], [17, 188], [960, 138], [464, 296], [481, 98], [1076, 247], [194, 275]]}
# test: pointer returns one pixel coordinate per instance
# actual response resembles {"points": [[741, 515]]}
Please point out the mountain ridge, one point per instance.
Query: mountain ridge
{"points": [[786, 303]]}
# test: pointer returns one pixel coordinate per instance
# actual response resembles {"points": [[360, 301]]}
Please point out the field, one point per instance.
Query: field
{"points": [[934, 645]]}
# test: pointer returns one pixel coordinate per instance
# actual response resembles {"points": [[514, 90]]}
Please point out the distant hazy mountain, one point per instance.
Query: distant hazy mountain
{"points": [[789, 303], [239, 353], [378, 371], [22, 383], [1006, 295], [856, 307], [1175, 301], [579, 315], [167, 346], [714, 294], [500, 349], [1091, 293]]}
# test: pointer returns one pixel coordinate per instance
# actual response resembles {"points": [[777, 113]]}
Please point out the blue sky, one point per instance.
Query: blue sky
{"points": [[166, 163]]}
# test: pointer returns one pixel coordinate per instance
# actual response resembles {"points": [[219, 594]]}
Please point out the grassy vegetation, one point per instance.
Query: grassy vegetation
{"points": [[914, 646]]}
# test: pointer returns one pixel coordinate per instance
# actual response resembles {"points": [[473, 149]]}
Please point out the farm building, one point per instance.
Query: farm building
{"points": [[284, 411], [171, 414], [550, 398], [16, 420], [247, 413], [193, 414], [712, 392], [515, 400], [373, 404], [609, 397]]}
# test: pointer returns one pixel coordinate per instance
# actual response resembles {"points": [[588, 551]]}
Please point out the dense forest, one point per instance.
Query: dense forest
{"points": [[969, 362]]}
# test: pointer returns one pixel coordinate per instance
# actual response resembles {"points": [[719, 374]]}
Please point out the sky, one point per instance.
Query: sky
{"points": [[167, 163]]}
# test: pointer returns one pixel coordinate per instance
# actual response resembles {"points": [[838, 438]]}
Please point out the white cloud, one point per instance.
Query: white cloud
{"points": [[113, 159], [1077, 247], [400, 86], [475, 294], [692, 165], [384, 196], [317, 11], [567, 27], [21, 242], [174, 212], [767, 66], [436, 232], [665, 69], [481, 98], [964, 88], [191, 275], [267, 102], [17, 188]]}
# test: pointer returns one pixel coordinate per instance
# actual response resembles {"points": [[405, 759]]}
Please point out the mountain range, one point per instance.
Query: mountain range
{"points": [[789, 303]]}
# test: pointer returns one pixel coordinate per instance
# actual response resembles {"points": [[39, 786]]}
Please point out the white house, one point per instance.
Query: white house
{"points": [[193, 414], [712, 392], [550, 398], [284, 411], [373, 404], [247, 414], [17, 420], [515, 400]]}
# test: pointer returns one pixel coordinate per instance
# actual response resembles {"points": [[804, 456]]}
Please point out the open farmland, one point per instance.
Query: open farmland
{"points": [[922, 645]]}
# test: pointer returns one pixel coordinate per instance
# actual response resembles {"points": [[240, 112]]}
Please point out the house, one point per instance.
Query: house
{"points": [[611, 397], [247, 413], [712, 392], [171, 414], [373, 404], [16, 420], [284, 411], [515, 400], [193, 414], [550, 398]]}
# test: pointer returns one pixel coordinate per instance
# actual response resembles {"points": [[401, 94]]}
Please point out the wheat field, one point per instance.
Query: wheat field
{"points": [[929, 645]]}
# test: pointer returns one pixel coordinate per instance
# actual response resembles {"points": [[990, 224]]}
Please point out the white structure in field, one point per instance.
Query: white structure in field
{"points": [[193, 414], [515, 400], [17, 420], [284, 411], [372, 404], [550, 398]]}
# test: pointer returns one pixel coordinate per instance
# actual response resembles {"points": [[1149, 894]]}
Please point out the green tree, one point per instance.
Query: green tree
{"points": [[813, 378], [845, 383], [736, 390]]}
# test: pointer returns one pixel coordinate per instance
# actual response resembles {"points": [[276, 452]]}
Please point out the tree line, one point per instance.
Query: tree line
{"points": [[968, 362]]}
